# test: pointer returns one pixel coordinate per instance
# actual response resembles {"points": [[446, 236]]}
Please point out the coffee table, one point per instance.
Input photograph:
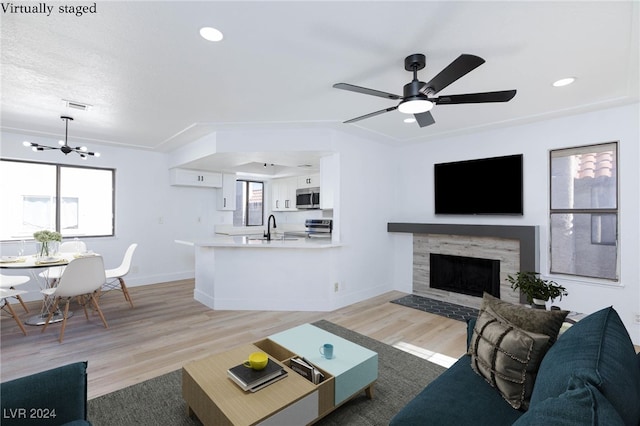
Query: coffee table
{"points": [[216, 400]]}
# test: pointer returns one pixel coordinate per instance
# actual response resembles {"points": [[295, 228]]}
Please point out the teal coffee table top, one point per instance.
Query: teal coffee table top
{"points": [[353, 367]]}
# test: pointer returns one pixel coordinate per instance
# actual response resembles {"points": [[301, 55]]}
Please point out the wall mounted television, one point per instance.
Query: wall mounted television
{"points": [[482, 186]]}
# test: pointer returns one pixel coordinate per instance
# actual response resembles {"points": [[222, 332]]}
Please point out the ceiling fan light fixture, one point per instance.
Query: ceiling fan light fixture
{"points": [[415, 106], [211, 34], [564, 82]]}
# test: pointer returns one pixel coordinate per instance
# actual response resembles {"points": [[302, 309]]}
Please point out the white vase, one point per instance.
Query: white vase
{"points": [[539, 303], [46, 249]]}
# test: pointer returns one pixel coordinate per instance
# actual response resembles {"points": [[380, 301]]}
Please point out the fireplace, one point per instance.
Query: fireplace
{"points": [[516, 247], [464, 275]]}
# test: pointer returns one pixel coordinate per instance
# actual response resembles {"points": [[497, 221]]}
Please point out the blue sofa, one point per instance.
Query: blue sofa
{"points": [[589, 376], [50, 398]]}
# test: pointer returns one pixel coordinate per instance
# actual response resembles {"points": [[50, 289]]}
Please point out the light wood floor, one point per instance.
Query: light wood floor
{"points": [[167, 328]]}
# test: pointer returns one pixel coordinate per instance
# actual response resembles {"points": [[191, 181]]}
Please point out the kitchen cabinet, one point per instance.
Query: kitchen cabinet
{"points": [[309, 181], [227, 195], [186, 177], [283, 194]]}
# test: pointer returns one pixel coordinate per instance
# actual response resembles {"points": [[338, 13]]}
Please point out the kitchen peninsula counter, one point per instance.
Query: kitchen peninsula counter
{"points": [[255, 242], [247, 273]]}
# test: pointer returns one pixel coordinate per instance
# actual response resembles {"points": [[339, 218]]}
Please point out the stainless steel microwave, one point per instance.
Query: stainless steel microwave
{"points": [[308, 198]]}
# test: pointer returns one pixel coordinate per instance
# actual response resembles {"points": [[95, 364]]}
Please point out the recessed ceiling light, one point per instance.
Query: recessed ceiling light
{"points": [[409, 120], [211, 34], [564, 82]]}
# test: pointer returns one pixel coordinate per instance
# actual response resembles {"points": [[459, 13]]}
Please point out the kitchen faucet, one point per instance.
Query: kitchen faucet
{"points": [[268, 234]]}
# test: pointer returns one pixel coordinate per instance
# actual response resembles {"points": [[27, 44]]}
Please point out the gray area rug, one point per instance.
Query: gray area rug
{"points": [[159, 401]]}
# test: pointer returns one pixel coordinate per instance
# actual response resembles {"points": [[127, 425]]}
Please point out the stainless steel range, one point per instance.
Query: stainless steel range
{"points": [[315, 228], [318, 228]]}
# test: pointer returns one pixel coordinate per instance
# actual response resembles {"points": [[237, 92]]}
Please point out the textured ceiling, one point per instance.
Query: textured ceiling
{"points": [[154, 83]]}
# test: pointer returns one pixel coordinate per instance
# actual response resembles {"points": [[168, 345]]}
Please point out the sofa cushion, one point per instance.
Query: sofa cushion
{"points": [[533, 320], [457, 397], [506, 356], [62, 390], [580, 405], [597, 350]]}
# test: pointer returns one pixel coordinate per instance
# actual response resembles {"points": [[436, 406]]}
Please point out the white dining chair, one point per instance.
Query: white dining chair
{"points": [[5, 294], [53, 273], [81, 279], [115, 277], [9, 282]]}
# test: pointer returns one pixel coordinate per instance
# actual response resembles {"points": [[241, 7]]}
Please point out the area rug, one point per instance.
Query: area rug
{"points": [[159, 401], [438, 307]]}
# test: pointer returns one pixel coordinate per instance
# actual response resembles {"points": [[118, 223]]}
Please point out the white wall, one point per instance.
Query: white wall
{"points": [[379, 184], [152, 213], [361, 266], [414, 197], [144, 198], [364, 206]]}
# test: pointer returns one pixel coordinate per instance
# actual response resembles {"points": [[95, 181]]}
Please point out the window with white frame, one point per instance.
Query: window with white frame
{"points": [[249, 203], [583, 218], [75, 201]]}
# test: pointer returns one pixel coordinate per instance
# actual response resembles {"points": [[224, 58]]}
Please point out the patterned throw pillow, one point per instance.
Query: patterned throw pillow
{"points": [[506, 356], [534, 320]]}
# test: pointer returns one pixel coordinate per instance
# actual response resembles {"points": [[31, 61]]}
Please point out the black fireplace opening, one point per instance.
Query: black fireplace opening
{"points": [[466, 275]]}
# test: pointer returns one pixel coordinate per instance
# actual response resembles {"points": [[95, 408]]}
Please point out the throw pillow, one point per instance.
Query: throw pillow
{"points": [[533, 320], [507, 357]]}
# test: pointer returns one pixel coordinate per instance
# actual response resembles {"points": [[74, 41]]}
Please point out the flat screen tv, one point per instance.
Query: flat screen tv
{"points": [[482, 186]]}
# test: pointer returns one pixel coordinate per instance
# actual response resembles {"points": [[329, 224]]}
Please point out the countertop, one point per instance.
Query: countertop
{"points": [[255, 241]]}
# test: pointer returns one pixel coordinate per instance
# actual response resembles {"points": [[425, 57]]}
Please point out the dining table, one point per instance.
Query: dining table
{"points": [[35, 265]]}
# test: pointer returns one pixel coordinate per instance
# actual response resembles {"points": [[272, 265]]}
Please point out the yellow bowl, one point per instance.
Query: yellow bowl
{"points": [[257, 361]]}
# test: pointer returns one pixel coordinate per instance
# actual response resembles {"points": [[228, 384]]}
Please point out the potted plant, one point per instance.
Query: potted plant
{"points": [[537, 290]]}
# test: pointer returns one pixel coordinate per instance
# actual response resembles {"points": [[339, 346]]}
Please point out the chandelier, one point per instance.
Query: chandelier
{"points": [[65, 148]]}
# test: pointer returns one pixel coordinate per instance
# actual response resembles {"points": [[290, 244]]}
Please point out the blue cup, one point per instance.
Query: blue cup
{"points": [[326, 350]]}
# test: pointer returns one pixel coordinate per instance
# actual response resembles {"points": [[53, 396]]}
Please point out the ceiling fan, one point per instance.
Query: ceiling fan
{"points": [[418, 97]]}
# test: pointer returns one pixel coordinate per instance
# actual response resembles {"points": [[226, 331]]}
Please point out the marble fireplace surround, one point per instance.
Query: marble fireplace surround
{"points": [[515, 246]]}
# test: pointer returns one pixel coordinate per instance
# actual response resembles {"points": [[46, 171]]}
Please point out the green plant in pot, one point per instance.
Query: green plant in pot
{"points": [[536, 290]]}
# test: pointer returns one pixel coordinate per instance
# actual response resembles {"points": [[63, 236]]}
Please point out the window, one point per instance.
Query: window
{"points": [[584, 211], [75, 201], [249, 203]]}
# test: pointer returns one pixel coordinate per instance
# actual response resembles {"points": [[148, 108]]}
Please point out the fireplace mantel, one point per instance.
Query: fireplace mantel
{"points": [[526, 235]]}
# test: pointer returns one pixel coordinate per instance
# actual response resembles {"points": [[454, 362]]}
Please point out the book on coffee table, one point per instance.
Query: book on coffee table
{"points": [[306, 369], [251, 380]]}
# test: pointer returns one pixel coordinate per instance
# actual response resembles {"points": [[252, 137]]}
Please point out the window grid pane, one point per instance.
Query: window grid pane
{"points": [[249, 203], [255, 203], [574, 246]]}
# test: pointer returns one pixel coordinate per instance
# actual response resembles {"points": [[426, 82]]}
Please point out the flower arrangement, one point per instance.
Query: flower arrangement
{"points": [[44, 237]]}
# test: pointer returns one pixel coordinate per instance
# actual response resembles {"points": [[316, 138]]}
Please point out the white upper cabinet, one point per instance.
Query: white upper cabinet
{"points": [[309, 181], [283, 194], [185, 177], [227, 195]]}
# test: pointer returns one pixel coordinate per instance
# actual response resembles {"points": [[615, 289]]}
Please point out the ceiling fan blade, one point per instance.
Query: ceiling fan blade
{"points": [[474, 98], [372, 114], [456, 69], [424, 119], [364, 90]]}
